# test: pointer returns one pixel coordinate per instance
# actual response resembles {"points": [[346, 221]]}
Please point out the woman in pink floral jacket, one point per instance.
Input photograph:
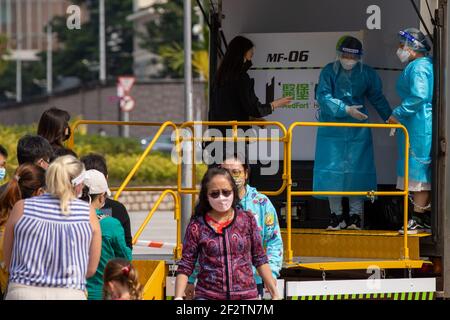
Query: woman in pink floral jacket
{"points": [[226, 241]]}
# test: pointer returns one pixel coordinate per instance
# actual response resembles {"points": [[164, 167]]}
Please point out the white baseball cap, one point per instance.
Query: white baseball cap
{"points": [[96, 182]]}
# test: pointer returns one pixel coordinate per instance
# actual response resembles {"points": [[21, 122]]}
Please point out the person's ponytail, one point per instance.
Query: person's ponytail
{"points": [[59, 178], [27, 179], [8, 198]]}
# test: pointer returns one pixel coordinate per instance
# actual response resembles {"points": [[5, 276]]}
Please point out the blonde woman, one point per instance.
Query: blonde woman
{"points": [[53, 242]]}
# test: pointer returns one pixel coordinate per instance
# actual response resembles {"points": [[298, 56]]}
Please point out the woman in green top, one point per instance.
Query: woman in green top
{"points": [[113, 236]]}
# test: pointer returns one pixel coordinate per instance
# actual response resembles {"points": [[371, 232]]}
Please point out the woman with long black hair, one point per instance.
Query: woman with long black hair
{"points": [[233, 96], [54, 126]]}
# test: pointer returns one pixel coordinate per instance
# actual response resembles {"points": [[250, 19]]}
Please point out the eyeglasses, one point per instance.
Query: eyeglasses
{"points": [[46, 161], [216, 193], [236, 172]]}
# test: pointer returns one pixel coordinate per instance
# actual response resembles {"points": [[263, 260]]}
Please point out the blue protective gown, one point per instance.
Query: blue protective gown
{"points": [[415, 88], [344, 156]]}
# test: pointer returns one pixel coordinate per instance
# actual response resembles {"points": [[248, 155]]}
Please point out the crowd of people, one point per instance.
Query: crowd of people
{"points": [[62, 237]]}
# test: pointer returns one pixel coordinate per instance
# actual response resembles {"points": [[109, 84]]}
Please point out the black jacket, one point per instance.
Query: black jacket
{"points": [[117, 210], [236, 100]]}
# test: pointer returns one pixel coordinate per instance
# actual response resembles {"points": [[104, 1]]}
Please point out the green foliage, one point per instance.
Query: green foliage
{"points": [[121, 155], [78, 53], [81, 47], [33, 77], [164, 36], [105, 145], [3, 52], [9, 136]]}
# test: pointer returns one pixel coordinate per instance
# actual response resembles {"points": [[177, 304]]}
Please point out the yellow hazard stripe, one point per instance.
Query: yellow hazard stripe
{"points": [[378, 296]]}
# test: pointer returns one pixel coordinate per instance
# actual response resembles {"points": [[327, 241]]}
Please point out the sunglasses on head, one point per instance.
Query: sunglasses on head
{"points": [[216, 193]]}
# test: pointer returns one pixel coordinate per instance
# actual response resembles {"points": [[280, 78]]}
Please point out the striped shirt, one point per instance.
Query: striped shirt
{"points": [[51, 249]]}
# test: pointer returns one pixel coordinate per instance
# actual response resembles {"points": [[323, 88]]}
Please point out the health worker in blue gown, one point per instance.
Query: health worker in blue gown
{"points": [[344, 159], [415, 88]]}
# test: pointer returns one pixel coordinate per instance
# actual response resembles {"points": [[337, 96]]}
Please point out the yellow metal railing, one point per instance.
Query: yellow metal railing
{"points": [[286, 139], [71, 143], [235, 138], [147, 151], [177, 217], [370, 193], [123, 187], [179, 139]]}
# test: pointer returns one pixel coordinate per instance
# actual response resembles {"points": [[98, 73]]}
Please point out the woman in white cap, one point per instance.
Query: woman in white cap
{"points": [[53, 241], [114, 246]]}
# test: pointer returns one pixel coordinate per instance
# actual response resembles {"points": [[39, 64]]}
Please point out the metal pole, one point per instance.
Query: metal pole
{"points": [[29, 23], [19, 81], [1, 15], [186, 200], [102, 43], [126, 129], [40, 37], [49, 59], [8, 22], [19, 48], [444, 208]]}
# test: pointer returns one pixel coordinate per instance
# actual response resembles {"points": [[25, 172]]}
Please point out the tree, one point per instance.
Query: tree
{"points": [[32, 73], [79, 55], [3, 53], [164, 36]]}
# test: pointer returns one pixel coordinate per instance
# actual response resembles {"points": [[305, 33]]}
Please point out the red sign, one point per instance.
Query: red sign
{"points": [[126, 83], [127, 104]]}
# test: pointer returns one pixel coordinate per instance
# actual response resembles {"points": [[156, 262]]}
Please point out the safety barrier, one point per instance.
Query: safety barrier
{"points": [[154, 244], [176, 198], [123, 187], [369, 193], [286, 139]]}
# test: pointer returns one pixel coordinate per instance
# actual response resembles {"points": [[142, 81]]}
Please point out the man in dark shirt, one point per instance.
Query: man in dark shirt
{"points": [[111, 208], [33, 149]]}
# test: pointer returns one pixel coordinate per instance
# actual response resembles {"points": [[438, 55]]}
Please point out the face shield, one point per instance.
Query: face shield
{"points": [[349, 59], [411, 40], [414, 40]]}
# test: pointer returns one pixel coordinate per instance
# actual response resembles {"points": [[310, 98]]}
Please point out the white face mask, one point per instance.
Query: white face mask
{"points": [[80, 194], [239, 181], [103, 202], [403, 55], [348, 64], [2, 173], [222, 203]]}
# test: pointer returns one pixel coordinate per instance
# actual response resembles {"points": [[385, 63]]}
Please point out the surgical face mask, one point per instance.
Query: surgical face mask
{"points": [[103, 202], [403, 55], [80, 193], [238, 177], [2, 173], [348, 64], [221, 203], [67, 133], [247, 65], [239, 181]]}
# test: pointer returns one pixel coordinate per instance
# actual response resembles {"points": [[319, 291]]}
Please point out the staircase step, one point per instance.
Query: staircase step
{"points": [[335, 264], [359, 244]]}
